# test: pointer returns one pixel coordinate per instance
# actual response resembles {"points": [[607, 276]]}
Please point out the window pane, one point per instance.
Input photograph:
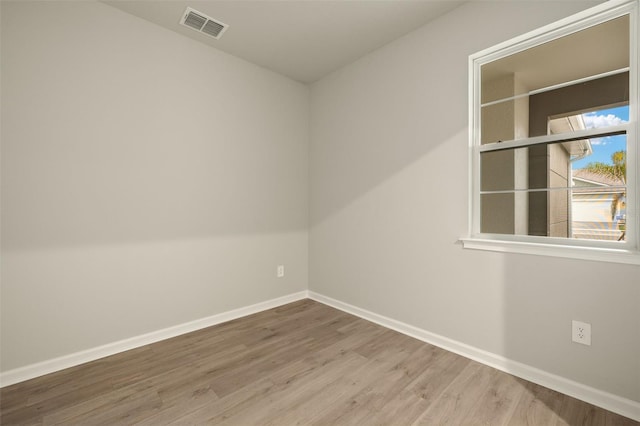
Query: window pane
{"points": [[511, 112], [593, 216], [556, 213], [599, 191], [498, 214], [592, 51], [508, 169], [540, 213], [505, 121]]}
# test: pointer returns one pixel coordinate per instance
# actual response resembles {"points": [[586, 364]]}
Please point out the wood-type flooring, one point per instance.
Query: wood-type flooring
{"points": [[302, 363]]}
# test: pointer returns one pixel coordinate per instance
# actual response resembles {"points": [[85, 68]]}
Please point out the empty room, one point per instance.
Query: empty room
{"points": [[372, 212]]}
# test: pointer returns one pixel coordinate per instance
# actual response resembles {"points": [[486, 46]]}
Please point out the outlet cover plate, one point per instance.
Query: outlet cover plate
{"points": [[581, 332]]}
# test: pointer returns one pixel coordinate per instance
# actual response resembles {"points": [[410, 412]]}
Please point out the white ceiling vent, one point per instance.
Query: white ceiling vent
{"points": [[202, 23]]}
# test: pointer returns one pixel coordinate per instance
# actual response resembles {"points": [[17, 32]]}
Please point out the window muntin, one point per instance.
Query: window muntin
{"points": [[535, 99]]}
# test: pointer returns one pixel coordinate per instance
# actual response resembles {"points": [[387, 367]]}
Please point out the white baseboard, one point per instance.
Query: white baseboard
{"points": [[35, 370], [608, 401]]}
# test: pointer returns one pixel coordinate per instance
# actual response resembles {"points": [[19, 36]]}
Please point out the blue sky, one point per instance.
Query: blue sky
{"points": [[604, 147]]}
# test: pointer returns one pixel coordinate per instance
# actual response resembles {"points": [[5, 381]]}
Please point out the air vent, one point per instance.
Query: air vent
{"points": [[202, 23]]}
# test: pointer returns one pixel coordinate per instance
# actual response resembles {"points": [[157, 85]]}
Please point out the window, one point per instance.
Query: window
{"points": [[554, 124]]}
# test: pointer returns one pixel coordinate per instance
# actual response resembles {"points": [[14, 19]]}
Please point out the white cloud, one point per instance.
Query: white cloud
{"points": [[595, 121], [599, 141]]}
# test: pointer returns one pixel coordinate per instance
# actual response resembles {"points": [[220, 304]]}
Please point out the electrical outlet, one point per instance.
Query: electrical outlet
{"points": [[280, 271], [581, 332]]}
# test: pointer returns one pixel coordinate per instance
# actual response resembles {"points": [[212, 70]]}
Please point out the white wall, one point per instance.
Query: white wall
{"points": [[147, 180], [388, 169]]}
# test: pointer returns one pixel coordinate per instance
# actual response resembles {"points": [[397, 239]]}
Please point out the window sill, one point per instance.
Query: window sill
{"points": [[553, 250]]}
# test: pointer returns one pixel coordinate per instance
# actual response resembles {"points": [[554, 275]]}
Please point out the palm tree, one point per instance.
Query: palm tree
{"points": [[617, 171]]}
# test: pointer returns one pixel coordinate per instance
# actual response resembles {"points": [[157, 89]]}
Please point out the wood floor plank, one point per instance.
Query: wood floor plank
{"points": [[89, 408], [342, 389], [34, 412], [369, 401], [125, 410], [199, 412], [301, 363], [497, 403], [411, 402], [537, 406], [279, 396], [298, 342], [325, 358], [460, 397], [613, 419]]}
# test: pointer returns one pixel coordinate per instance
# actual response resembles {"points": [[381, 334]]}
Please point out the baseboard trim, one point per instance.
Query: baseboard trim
{"points": [[608, 401], [21, 374]]}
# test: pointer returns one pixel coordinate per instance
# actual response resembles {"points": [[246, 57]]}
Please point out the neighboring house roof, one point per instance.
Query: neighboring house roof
{"points": [[585, 178]]}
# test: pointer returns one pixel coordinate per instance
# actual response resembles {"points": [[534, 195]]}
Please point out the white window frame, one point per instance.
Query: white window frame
{"points": [[619, 252]]}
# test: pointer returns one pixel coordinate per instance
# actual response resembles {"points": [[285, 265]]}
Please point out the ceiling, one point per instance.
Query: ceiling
{"points": [[302, 39]]}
